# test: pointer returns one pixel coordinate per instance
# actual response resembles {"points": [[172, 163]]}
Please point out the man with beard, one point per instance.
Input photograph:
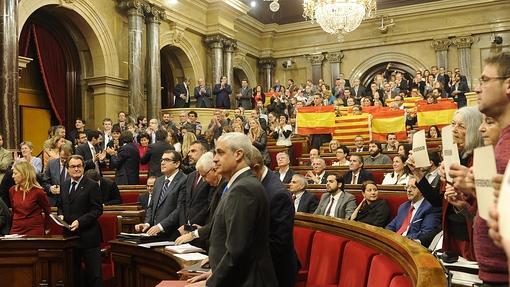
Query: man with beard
{"points": [[376, 157], [336, 202]]}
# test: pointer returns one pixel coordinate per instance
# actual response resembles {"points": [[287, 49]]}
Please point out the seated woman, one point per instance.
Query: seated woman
{"points": [[433, 132], [342, 152], [403, 149], [53, 151], [371, 210], [26, 155], [333, 145], [400, 174], [28, 201]]}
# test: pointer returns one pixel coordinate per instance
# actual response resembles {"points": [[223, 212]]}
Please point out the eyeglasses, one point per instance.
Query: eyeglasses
{"points": [[485, 79], [167, 160]]}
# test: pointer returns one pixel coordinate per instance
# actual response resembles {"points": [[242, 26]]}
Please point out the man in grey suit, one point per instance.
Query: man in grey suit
{"points": [[245, 96], [336, 202], [203, 95], [56, 173], [162, 215]]}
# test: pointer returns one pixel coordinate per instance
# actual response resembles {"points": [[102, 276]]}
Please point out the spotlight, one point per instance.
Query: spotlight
{"points": [[253, 4]]}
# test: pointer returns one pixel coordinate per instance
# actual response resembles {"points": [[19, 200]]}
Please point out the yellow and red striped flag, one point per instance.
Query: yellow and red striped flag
{"points": [[385, 121], [350, 126], [440, 114], [315, 120]]}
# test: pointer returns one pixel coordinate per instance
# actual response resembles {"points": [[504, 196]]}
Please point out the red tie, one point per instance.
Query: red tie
{"points": [[407, 220], [328, 210], [195, 182]]}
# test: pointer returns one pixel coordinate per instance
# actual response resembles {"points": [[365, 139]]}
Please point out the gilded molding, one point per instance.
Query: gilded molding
{"points": [[464, 42], [316, 59], [440, 44], [335, 57]]}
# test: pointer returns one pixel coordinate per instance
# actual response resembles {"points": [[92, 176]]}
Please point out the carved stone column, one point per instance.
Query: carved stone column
{"points": [[215, 43], [335, 59], [229, 47], [9, 79], [135, 14], [267, 65], [464, 47], [316, 61], [154, 16], [441, 48]]}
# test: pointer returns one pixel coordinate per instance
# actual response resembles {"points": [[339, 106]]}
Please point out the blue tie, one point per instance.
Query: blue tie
{"points": [[225, 191], [164, 190]]}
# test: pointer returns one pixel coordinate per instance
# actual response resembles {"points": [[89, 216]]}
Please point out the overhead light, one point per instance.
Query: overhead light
{"points": [[171, 2], [274, 6], [253, 4]]}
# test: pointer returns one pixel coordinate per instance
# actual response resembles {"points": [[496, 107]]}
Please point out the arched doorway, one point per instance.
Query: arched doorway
{"points": [[175, 67], [368, 76], [239, 75]]}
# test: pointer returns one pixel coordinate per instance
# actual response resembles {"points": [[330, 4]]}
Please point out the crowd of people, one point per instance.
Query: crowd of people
{"points": [[210, 183]]}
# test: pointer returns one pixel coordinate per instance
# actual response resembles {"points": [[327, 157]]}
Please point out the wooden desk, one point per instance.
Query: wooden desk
{"points": [[42, 261], [144, 267]]}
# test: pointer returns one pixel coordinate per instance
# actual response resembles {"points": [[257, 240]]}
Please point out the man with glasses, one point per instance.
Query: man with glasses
{"points": [[162, 214], [80, 205], [416, 218], [146, 198]]}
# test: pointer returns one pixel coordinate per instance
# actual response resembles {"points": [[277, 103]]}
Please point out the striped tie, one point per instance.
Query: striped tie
{"points": [[164, 190]]}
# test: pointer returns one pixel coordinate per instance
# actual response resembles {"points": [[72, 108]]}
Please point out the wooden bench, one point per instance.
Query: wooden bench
{"points": [[377, 170]]}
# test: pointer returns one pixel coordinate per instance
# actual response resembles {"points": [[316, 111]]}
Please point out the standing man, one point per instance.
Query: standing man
{"points": [[245, 96], [239, 242], [90, 152], [155, 152], [56, 174], [80, 205], [222, 92], [181, 94], [122, 124], [336, 202], [79, 125], [126, 160], [107, 132], [6, 158], [203, 95], [196, 150]]}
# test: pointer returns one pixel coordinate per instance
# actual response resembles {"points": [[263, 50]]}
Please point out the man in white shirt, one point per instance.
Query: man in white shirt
{"points": [[335, 202], [284, 172], [318, 173], [304, 201]]}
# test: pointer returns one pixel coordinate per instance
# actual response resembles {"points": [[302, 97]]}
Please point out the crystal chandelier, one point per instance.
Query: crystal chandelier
{"points": [[339, 17]]}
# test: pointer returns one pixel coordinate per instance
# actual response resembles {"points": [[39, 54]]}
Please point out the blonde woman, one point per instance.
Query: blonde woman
{"points": [[53, 151], [26, 155], [28, 201], [187, 139], [258, 139]]}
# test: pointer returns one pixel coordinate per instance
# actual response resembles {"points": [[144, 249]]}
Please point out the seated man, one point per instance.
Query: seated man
{"points": [[304, 201], [356, 173], [284, 172], [109, 189], [318, 174], [416, 218], [391, 143], [336, 202], [358, 142], [376, 157], [314, 153], [146, 198]]}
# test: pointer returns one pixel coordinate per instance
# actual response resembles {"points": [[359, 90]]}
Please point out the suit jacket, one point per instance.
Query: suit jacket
{"points": [[239, 247], [153, 156], [166, 212], [127, 164], [6, 160], [344, 208], [84, 205], [324, 179], [308, 203], [5, 218], [52, 175], [193, 203], [281, 226], [363, 176], [245, 100], [203, 99], [362, 92], [110, 192], [288, 175], [84, 151], [143, 198], [180, 102], [426, 219]]}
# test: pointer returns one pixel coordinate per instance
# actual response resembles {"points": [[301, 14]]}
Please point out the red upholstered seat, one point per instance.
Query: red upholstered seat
{"points": [[129, 196], [355, 265], [327, 250], [401, 281], [394, 200], [378, 176], [303, 238], [382, 271], [108, 224]]}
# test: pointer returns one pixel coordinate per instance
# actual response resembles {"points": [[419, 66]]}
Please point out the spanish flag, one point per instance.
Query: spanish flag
{"points": [[350, 126], [385, 121], [439, 114], [315, 120]]}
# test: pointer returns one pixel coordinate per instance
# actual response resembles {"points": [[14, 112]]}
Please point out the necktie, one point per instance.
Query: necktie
{"points": [[225, 191], [149, 200], [62, 174], [294, 197], [195, 182], [407, 221], [164, 190], [328, 210], [73, 187], [354, 179]]}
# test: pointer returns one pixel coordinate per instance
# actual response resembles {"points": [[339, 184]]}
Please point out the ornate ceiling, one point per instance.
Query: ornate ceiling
{"points": [[291, 10]]}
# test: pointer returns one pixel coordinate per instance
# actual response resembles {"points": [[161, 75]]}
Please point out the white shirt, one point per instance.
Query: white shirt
{"points": [[264, 173], [416, 205], [355, 175], [170, 179], [391, 178], [283, 173], [282, 140], [431, 175], [336, 198], [236, 175], [298, 199]]}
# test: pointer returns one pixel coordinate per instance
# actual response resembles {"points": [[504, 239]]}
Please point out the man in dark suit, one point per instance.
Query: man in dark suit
{"points": [[146, 197], [360, 144], [357, 90], [356, 173], [203, 95], [109, 190], [284, 172], [182, 95], [222, 92], [458, 90], [122, 123], [245, 96], [336, 202], [80, 205], [304, 201], [416, 217], [162, 214], [401, 83], [318, 173], [155, 152], [90, 151], [281, 223], [196, 150], [239, 252], [126, 160], [56, 174]]}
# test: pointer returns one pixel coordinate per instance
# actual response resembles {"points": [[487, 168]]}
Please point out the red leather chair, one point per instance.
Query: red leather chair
{"points": [[394, 201], [129, 196], [382, 271], [356, 265], [303, 238], [401, 281], [109, 229]]}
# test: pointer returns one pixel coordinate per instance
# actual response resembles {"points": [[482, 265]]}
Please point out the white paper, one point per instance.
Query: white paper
{"points": [[135, 234], [420, 152], [184, 248], [157, 244], [503, 205], [450, 150], [191, 256], [484, 169]]}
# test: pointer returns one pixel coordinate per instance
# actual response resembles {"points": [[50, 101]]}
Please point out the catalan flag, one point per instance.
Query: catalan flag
{"points": [[385, 121], [315, 120], [349, 126], [439, 114]]}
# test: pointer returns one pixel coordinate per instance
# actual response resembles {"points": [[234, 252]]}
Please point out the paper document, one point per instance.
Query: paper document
{"points": [[135, 234], [503, 204], [12, 236], [450, 150], [184, 248], [157, 244], [420, 152], [191, 256], [59, 221], [484, 168]]}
